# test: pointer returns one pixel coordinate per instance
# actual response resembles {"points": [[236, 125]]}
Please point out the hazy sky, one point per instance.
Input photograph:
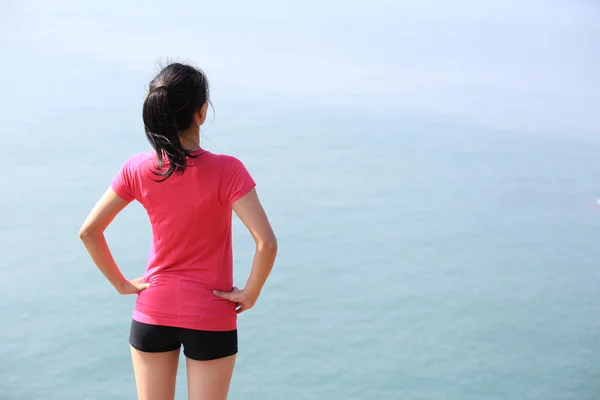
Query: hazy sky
{"points": [[530, 65]]}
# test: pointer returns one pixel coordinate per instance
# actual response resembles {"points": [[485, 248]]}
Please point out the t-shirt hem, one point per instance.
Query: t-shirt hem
{"points": [[121, 193], [242, 193], [227, 324]]}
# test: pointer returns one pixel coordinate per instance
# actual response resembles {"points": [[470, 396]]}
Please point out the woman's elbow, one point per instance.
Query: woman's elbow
{"points": [[268, 244], [84, 234], [87, 232]]}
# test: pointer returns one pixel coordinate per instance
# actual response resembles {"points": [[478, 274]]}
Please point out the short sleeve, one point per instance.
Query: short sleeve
{"points": [[237, 181], [124, 182]]}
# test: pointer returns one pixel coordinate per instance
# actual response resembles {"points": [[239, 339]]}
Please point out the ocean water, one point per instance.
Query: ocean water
{"points": [[413, 264], [426, 251]]}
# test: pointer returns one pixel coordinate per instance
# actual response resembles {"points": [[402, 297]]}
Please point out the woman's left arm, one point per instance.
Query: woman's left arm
{"points": [[92, 236]]}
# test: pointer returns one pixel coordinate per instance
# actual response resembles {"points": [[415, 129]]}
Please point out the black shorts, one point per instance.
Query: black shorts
{"points": [[197, 345]]}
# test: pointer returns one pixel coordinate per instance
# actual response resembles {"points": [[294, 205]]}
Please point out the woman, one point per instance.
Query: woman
{"points": [[186, 296]]}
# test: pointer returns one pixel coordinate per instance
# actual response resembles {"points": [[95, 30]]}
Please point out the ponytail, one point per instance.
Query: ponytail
{"points": [[175, 95], [163, 133]]}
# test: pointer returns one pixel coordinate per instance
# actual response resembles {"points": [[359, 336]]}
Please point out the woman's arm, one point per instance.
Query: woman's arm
{"points": [[92, 236], [251, 213]]}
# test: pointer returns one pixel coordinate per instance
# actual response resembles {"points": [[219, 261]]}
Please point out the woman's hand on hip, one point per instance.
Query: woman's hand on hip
{"points": [[243, 299], [133, 286]]}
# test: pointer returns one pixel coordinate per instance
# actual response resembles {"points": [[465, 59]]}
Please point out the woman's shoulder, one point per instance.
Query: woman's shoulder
{"points": [[226, 160], [135, 160], [221, 156]]}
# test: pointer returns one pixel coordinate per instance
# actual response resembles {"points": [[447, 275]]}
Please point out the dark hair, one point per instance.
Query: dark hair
{"points": [[174, 96]]}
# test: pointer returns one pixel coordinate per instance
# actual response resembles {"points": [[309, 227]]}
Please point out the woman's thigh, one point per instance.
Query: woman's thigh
{"points": [[155, 374], [209, 380]]}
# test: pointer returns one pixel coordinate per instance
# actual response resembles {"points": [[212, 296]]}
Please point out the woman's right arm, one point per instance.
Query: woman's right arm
{"points": [[250, 211]]}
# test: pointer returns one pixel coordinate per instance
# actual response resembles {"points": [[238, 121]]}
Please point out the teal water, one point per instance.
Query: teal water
{"points": [[425, 252]]}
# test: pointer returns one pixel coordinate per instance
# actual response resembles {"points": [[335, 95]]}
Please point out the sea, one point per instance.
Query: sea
{"points": [[438, 225]]}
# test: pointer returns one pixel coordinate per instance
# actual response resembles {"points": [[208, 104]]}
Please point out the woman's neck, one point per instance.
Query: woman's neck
{"points": [[190, 140]]}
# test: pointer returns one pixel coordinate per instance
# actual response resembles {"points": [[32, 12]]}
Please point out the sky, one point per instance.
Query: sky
{"points": [[523, 65]]}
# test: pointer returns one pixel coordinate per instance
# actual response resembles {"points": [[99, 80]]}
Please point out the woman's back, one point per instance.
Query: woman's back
{"points": [[190, 255], [186, 296]]}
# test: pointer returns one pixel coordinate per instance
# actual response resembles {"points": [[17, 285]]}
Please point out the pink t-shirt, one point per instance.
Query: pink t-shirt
{"points": [[191, 253]]}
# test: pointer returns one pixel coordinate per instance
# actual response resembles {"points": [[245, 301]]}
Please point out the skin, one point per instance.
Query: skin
{"points": [[155, 372]]}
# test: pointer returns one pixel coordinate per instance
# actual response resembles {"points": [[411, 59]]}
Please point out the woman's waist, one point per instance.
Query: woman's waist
{"points": [[211, 278], [177, 296]]}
